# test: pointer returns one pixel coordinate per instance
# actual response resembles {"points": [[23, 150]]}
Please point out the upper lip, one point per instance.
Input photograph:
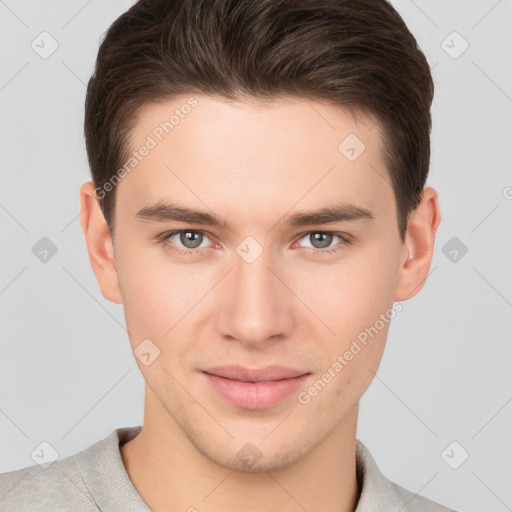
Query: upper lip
{"points": [[268, 373]]}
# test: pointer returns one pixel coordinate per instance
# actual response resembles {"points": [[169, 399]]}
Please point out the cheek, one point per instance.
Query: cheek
{"points": [[355, 300], [350, 296], [346, 374], [160, 303], [156, 295]]}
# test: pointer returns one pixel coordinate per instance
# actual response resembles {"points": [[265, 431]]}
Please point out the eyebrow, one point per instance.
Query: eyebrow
{"points": [[164, 211]]}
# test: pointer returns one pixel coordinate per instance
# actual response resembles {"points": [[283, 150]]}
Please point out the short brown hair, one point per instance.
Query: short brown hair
{"points": [[359, 55]]}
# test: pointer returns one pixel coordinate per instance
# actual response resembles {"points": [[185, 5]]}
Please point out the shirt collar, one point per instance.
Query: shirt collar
{"points": [[108, 481], [376, 491]]}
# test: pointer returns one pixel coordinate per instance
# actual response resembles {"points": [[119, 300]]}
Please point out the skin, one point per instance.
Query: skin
{"points": [[254, 164]]}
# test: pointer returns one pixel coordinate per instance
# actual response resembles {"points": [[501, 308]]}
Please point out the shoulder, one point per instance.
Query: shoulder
{"points": [[59, 487], [380, 493], [91, 480], [413, 502]]}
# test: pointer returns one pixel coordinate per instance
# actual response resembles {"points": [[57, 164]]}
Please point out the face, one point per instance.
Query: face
{"points": [[267, 283]]}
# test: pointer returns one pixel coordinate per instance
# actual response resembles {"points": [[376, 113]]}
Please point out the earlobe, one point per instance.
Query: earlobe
{"points": [[99, 243], [419, 246]]}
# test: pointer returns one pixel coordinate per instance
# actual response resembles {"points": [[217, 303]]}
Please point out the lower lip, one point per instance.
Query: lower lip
{"points": [[255, 395]]}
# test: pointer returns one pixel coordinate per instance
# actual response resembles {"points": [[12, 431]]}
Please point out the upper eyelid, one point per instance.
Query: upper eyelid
{"points": [[303, 234]]}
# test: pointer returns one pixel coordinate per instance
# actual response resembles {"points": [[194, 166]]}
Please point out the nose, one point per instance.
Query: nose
{"points": [[256, 307]]}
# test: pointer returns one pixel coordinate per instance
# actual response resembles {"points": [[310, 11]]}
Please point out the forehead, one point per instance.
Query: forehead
{"points": [[254, 155], [253, 121]]}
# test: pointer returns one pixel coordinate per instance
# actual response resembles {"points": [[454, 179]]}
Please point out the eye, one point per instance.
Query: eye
{"points": [[321, 241], [191, 241]]}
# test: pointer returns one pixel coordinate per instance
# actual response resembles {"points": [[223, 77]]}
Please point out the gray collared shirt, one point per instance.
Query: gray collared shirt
{"points": [[95, 479]]}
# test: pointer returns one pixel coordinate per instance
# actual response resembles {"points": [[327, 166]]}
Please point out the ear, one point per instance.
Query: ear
{"points": [[418, 246], [99, 243]]}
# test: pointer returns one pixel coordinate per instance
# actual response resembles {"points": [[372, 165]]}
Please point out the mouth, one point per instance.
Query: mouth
{"points": [[255, 389], [267, 374]]}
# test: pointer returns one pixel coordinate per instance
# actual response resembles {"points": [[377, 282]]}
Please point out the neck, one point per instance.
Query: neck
{"points": [[171, 474]]}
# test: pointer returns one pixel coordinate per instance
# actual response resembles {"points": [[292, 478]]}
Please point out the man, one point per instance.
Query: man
{"points": [[258, 206]]}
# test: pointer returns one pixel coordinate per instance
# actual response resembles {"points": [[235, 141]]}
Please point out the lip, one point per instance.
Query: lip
{"points": [[255, 388], [268, 373]]}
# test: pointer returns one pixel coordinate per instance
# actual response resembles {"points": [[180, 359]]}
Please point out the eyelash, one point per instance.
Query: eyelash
{"points": [[345, 240]]}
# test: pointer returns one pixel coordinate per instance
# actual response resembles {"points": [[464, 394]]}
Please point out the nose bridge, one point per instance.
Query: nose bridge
{"points": [[255, 307]]}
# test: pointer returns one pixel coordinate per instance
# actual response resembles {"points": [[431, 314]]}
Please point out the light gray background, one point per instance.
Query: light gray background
{"points": [[67, 374]]}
